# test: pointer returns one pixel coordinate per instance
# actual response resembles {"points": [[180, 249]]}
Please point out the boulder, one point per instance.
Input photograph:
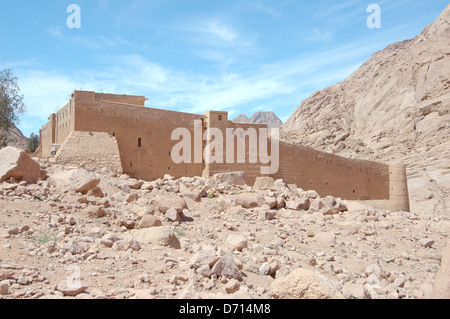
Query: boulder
{"points": [[205, 256], [249, 200], [78, 179], [148, 221], [236, 242], [19, 165], [232, 178], [263, 183], [304, 284], [162, 236], [165, 202], [227, 267]]}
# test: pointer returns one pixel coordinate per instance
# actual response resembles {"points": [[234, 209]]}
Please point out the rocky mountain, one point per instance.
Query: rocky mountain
{"points": [[16, 139], [268, 118], [394, 108]]}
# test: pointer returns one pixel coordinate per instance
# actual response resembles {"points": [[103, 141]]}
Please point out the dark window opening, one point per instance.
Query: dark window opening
{"points": [[220, 117], [139, 142], [131, 164]]}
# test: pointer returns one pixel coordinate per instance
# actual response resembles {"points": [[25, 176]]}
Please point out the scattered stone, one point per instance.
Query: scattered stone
{"points": [[426, 242], [226, 267], [249, 200], [163, 236], [304, 284], [149, 221], [70, 289], [4, 287], [236, 242]]}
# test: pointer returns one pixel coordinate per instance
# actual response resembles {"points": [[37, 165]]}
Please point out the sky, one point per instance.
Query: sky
{"points": [[240, 56]]}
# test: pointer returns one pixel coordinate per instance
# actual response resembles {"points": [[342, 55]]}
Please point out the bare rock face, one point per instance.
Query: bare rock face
{"points": [[268, 118], [395, 107], [303, 284], [17, 164], [78, 179], [442, 283]]}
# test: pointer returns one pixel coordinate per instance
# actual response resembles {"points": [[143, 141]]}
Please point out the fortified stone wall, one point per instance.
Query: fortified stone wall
{"points": [[143, 138], [143, 135], [96, 150], [47, 136], [333, 175]]}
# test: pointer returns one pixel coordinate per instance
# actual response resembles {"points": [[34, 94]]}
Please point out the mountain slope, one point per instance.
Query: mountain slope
{"points": [[394, 108], [268, 118], [16, 138]]}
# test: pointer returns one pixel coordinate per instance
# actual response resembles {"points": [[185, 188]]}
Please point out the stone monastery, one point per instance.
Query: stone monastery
{"points": [[118, 132]]}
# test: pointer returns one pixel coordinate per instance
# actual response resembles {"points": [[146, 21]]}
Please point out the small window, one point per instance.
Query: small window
{"points": [[114, 134], [220, 117], [139, 142]]}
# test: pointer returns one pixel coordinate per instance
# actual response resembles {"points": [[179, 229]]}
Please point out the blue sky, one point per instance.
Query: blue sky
{"points": [[241, 56]]}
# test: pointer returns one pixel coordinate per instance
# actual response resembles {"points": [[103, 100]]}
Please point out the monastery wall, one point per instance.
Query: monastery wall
{"points": [[143, 135]]}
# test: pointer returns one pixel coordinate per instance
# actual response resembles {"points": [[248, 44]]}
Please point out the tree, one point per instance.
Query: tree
{"points": [[33, 143], [11, 101]]}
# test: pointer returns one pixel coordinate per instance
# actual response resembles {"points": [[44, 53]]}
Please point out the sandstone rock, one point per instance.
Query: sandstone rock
{"points": [[232, 286], [204, 271], [351, 290], [303, 284], [426, 242], [233, 178], [19, 165], [163, 236], [325, 238], [70, 290], [262, 183], [80, 180], [236, 242], [226, 267], [96, 192], [298, 204], [149, 221], [4, 287], [205, 256], [264, 270], [441, 289], [172, 215], [249, 200], [165, 202]]}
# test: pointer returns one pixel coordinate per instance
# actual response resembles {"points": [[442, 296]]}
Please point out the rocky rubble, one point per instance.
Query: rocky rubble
{"points": [[203, 238]]}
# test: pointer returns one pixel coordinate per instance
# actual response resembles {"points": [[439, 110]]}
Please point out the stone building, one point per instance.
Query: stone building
{"points": [[120, 133]]}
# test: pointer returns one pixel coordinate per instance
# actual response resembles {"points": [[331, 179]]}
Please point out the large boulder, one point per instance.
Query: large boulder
{"points": [[19, 165], [78, 179], [249, 200], [304, 284]]}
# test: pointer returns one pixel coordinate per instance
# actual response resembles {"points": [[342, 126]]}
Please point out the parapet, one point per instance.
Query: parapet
{"points": [[115, 98]]}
